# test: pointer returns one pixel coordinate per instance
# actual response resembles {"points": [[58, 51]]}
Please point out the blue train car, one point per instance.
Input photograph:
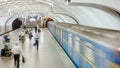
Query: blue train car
{"points": [[84, 51]]}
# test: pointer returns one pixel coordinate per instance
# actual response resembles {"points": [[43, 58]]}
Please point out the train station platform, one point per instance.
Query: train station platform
{"points": [[50, 54]]}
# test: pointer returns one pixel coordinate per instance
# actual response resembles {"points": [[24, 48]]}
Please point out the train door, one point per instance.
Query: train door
{"points": [[88, 55], [100, 58], [65, 40], [70, 47], [76, 53]]}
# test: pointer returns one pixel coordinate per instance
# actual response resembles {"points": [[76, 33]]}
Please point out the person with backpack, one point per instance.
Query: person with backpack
{"points": [[6, 50]]}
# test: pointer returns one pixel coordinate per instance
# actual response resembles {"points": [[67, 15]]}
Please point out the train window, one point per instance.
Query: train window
{"points": [[58, 32], [55, 30], [88, 51], [61, 34], [77, 43], [70, 39]]}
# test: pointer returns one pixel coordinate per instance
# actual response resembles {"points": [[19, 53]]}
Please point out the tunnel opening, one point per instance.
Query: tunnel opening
{"points": [[46, 20], [16, 24]]}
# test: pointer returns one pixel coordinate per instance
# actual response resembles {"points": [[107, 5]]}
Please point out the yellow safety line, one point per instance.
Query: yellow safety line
{"points": [[87, 60]]}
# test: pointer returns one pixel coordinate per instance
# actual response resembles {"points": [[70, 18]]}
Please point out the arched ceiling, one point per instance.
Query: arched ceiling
{"points": [[84, 15], [24, 6], [110, 4]]}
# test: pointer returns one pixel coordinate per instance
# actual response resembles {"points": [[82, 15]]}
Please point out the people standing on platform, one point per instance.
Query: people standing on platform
{"points": [[6, 38], [24, 26], [39, 30], [6, 41], [23, 33], [26, 32], [5, 51], [16, 53], [6, 46], [22, 36], [37, 40], [36, 29], [30, 34]]}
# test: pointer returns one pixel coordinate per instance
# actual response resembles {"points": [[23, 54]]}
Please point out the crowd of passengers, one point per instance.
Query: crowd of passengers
{"points": [[6, 51]]}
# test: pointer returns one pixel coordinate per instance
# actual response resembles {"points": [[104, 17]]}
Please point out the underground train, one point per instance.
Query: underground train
{"points": [[8, 24], [84, 48]]}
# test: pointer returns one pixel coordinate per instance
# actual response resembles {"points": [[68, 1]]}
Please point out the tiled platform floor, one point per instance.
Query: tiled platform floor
{"points": [[50, 54]]}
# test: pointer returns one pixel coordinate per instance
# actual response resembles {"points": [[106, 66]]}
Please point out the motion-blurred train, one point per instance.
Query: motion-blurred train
{"points": [[8, 24], [88, 47]]}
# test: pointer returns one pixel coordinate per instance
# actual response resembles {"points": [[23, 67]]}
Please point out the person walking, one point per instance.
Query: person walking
{"points": [[37, 40], [16, 53]]}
